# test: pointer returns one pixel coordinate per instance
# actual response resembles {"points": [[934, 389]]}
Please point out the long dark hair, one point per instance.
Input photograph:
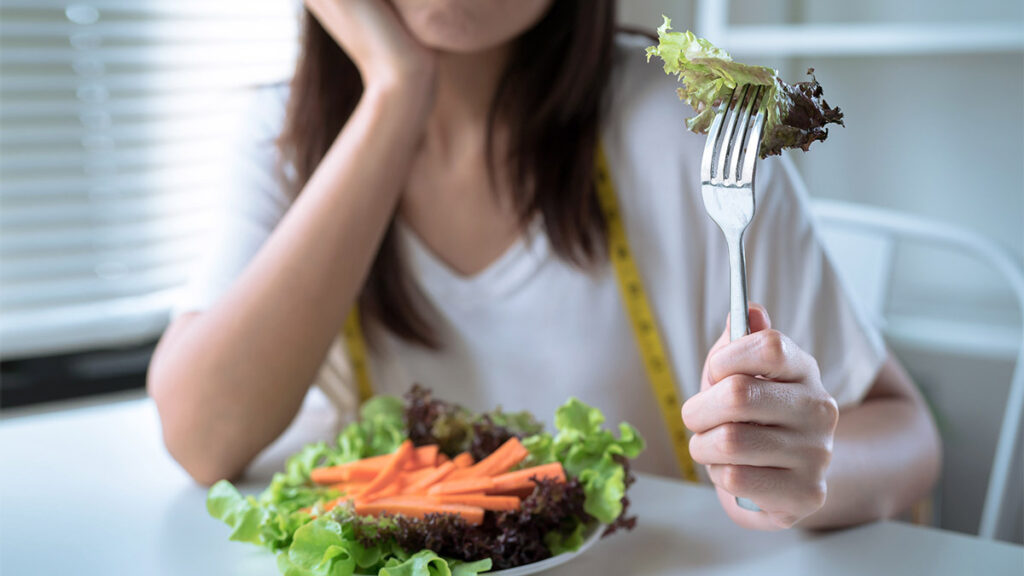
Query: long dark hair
{"points": [[550, 95]]}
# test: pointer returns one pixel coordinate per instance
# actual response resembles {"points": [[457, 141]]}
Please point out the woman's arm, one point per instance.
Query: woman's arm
{"points": [[767, 430], [887, 454], [229, 380]]}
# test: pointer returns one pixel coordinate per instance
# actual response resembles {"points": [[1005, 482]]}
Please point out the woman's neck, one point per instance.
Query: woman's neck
{"points": [[466, 86]]}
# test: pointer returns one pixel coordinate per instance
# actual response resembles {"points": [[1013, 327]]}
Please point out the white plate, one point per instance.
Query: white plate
{"points": [[536, 567]]}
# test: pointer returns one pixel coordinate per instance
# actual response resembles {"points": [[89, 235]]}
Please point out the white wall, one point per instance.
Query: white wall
{"points": [[939, 135]]}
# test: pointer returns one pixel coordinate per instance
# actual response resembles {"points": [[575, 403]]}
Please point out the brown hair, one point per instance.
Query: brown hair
{"points": [[551, 96]]}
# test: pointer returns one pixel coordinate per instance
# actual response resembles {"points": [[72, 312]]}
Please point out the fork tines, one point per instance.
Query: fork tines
{"points": [[726, 151]]}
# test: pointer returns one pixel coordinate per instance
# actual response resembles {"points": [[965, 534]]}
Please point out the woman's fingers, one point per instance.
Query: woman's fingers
{"points": [[753, 445], [768, 353], [375, 38], [784, 495], [763, 423], [741, 398]]}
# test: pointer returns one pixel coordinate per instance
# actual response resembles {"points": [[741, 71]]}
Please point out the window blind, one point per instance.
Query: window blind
{"points": [[115, 119]]}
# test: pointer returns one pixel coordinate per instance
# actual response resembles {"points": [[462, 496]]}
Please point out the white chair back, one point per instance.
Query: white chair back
{"points": [[862, 242]]}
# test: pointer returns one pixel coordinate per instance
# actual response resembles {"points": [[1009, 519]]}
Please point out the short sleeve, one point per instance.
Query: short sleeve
{"points": [[255, 195], [252, 198], [789, 272]]}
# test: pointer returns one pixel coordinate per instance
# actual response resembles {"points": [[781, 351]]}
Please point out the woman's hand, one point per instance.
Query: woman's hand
{"points": [[763, 425], [374, 37]]}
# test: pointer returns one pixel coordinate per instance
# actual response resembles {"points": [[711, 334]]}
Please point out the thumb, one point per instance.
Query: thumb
{"points": [[757, 319]]}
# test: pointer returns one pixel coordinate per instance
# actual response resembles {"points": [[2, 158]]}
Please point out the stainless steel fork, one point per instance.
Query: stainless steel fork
{"points": [[727, 185]]}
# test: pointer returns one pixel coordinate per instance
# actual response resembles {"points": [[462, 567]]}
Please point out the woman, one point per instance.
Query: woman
{"points": [[435, 165]]}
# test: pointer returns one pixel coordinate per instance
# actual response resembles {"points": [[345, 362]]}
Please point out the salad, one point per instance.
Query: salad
{"points": [[423, 487], [796, 115]]}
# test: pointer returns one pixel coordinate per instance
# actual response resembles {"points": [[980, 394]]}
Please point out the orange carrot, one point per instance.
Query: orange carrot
{"points": [[391, 470], [392, 489], [362, 474], [349, 487], [485, 502], [424, 456], [522, 479], [367, 468], [428, 480], [329, 475], [325, 506], [501, 460], [464, 486], [464, 460], [522, 492], [414, 507], [411, 477], [441, 459]]}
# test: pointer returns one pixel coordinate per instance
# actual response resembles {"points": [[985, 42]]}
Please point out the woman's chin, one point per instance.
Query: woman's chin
{"points": [[453, 44], [467, 26]]}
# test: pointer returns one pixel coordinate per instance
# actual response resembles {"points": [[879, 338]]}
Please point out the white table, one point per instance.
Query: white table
{"points": [[91, 491]]}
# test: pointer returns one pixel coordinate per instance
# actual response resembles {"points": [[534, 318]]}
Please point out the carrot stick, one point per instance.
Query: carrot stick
{"points": [[522, 492], [329, 475], [349, 487], [521, 479], [419, 508], [367, 468], [463, 486], [501, 460], [424, 456], [392, 489], [428, 480], [391, 470], [485, 502], [464, 460], [417, 475], [441, 459]]}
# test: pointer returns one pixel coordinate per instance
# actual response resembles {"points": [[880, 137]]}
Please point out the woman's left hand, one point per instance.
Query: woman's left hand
{"points": [[763, 425]]}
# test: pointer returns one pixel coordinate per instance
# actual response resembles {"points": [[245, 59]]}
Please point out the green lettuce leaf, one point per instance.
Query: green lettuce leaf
{"points": [[321, 548], [251, 520], [327, 547], [588, 451], [380, 429], [274, 517], [427, 563], [795, 115], [559, 543]]}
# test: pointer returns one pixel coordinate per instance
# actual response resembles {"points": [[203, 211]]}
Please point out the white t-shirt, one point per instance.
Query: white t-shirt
{"points": [[531, 330]]}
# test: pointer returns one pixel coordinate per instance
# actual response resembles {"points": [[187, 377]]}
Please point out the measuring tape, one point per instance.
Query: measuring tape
{"points": [[638, 308], [355, 344]]}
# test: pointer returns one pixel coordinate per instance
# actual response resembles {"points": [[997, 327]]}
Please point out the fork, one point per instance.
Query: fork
{"points": [[727, 185]]}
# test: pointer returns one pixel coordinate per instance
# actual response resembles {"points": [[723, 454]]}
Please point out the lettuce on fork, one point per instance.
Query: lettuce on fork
{"points": [[796, 114], [552, 518]]}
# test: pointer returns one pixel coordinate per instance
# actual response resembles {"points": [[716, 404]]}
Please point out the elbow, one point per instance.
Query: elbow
{"points": [[926, 465], [187, 434]]}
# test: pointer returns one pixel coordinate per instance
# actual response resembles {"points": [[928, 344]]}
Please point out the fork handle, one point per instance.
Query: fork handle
{"points": [[739, 324]]}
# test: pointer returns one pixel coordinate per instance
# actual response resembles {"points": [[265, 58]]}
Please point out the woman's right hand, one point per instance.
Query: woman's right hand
{"points": [[377, 41]]}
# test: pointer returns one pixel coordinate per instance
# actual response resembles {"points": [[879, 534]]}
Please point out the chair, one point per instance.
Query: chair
{"points": [[862, 242]]}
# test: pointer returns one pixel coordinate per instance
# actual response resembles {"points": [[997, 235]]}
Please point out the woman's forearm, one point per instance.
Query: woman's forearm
{"points": [[886, 455], [228, 381]]}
